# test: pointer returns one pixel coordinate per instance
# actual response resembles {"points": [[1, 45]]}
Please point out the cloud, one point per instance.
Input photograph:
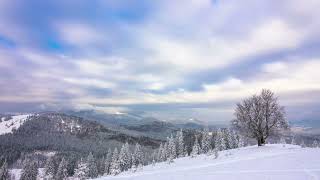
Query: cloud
{"points": [[101, 65], [184, 56], [89, 82], [79, 34], [218, 52], [297, 78]]}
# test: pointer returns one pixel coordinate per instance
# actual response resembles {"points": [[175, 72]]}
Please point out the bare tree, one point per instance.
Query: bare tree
{"points": [[260, 116]]}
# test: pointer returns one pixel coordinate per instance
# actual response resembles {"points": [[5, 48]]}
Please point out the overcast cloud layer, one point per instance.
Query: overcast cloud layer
{"points": [[170, 59]]}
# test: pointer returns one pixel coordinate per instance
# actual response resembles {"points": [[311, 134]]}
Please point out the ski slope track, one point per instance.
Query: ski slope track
{"points": [[7, 126], [270, 162]]}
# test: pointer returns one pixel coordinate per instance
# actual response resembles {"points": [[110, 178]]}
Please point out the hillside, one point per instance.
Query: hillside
{"points": [[276, 161], [61, 133], [10, 123]]}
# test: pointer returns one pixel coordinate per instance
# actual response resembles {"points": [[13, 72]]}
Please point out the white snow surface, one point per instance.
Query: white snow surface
{"points": [[14, 123], [270, 162]]}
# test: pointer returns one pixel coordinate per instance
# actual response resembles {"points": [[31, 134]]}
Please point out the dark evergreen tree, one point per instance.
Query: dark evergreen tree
{"points": [[195, 148], [138, 157], [108, 161], [81, 172], [49, 169], [4, 172], [115, 164], [180, 144], [205, 142], [30, 171], [62, 172], [92, 166]]}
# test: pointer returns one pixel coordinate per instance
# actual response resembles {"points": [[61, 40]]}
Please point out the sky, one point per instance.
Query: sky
{"points": [[171, 59]]}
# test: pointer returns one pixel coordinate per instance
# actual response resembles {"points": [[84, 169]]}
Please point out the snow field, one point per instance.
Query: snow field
{"points": [[273, 161]]}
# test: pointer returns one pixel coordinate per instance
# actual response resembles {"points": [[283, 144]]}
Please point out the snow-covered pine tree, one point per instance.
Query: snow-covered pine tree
{"points": [[240, 142], [180, 144], [62, 172], [125, 157], [283, 141], [101, 165], [315, 144], [205, 143], [171, 150], [49, 169], [138, 157], [129, 156], [122, 158], [215, 153], [4, 172], [234, 139], [30, 171], [224, 139], [154, 156], [195, 148], [81, 172], [108, 161], [218, 140], [167, 150], [164, 152], [92, 166], [303, 145], [115, 164], [159, 155], [293, 140]]}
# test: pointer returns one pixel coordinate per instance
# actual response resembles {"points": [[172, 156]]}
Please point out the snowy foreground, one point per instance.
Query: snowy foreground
{"points": [[273, 161]]}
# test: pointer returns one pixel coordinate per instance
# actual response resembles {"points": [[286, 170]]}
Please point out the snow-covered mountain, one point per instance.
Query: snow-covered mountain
{"points": [[276, 162], [10, 123], [58, 132]]}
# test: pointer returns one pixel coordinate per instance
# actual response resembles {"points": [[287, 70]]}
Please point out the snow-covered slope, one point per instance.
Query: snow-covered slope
{"points": [[7, 126], [274, 162]]}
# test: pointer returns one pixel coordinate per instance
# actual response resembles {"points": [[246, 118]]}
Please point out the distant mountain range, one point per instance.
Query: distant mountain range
{"points": [[82, 132], [136, 124]]}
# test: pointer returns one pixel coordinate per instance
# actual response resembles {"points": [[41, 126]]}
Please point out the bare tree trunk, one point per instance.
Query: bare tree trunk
{"points": [[261, 141]]}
